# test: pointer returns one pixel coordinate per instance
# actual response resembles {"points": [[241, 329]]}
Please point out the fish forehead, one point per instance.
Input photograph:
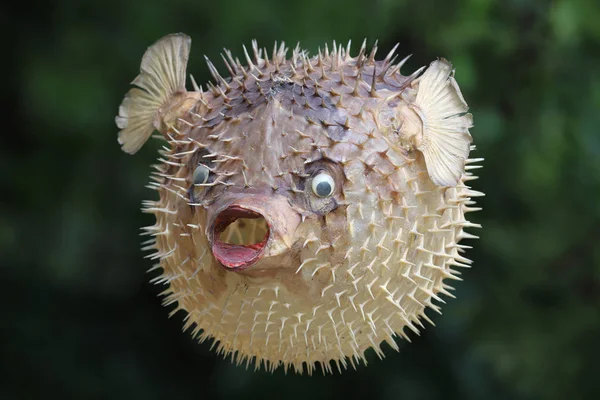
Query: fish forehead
{"points": [[287, 126], [267, 141]]}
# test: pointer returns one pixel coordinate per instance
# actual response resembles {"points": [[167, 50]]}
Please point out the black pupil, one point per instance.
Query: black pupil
{"points": [[323, 189]]}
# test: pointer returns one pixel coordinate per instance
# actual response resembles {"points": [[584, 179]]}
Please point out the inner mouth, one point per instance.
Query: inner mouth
{"points": [[239, 237]]}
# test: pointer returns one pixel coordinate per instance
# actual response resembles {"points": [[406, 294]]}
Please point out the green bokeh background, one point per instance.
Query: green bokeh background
{"points": [[79, 318]]}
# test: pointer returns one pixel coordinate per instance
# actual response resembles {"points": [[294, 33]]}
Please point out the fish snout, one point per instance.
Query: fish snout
{"points": [[251, 229]]}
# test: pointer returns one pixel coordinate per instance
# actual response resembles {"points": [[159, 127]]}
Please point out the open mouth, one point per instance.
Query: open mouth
{"points": [[239, 237]]}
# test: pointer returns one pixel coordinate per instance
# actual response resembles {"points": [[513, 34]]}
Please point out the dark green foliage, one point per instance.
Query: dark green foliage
{"points": [[79, 318]]}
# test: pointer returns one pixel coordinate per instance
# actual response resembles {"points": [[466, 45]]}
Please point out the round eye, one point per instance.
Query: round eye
{"points": [[323, 185], [200, 174]]}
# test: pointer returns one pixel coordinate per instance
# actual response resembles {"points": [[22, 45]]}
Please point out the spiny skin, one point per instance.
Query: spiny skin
{"points": [[339, 275]]}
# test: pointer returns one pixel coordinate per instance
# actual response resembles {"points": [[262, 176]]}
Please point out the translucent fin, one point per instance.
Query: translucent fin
{"points": [[162, 75], [446, 140]]}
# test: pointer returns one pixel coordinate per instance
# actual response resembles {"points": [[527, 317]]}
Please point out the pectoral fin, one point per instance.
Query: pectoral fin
{"points": [[445, 139], [162, 76]]}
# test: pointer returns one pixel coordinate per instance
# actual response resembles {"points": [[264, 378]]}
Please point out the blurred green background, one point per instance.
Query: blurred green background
{"points": [[79, 318]]}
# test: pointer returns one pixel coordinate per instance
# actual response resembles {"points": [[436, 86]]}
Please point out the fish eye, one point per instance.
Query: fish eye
{"points": [[200, 174], [323, 185]]}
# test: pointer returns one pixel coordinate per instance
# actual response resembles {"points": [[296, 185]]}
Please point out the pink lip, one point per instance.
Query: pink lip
{"points": [[231, 256]]}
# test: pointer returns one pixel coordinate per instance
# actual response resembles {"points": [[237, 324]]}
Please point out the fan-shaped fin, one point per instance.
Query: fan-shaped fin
{"points": [[162, 75], [445, 141]]}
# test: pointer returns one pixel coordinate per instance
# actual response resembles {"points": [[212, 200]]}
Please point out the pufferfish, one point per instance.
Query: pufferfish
{"points": [[309, 208]]}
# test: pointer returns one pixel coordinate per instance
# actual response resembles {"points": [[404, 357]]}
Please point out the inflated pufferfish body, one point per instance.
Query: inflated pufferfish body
{"points": [[310, 208]]}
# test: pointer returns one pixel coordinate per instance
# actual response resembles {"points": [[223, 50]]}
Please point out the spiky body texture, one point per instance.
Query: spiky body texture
{"points": [[352, 274]]}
